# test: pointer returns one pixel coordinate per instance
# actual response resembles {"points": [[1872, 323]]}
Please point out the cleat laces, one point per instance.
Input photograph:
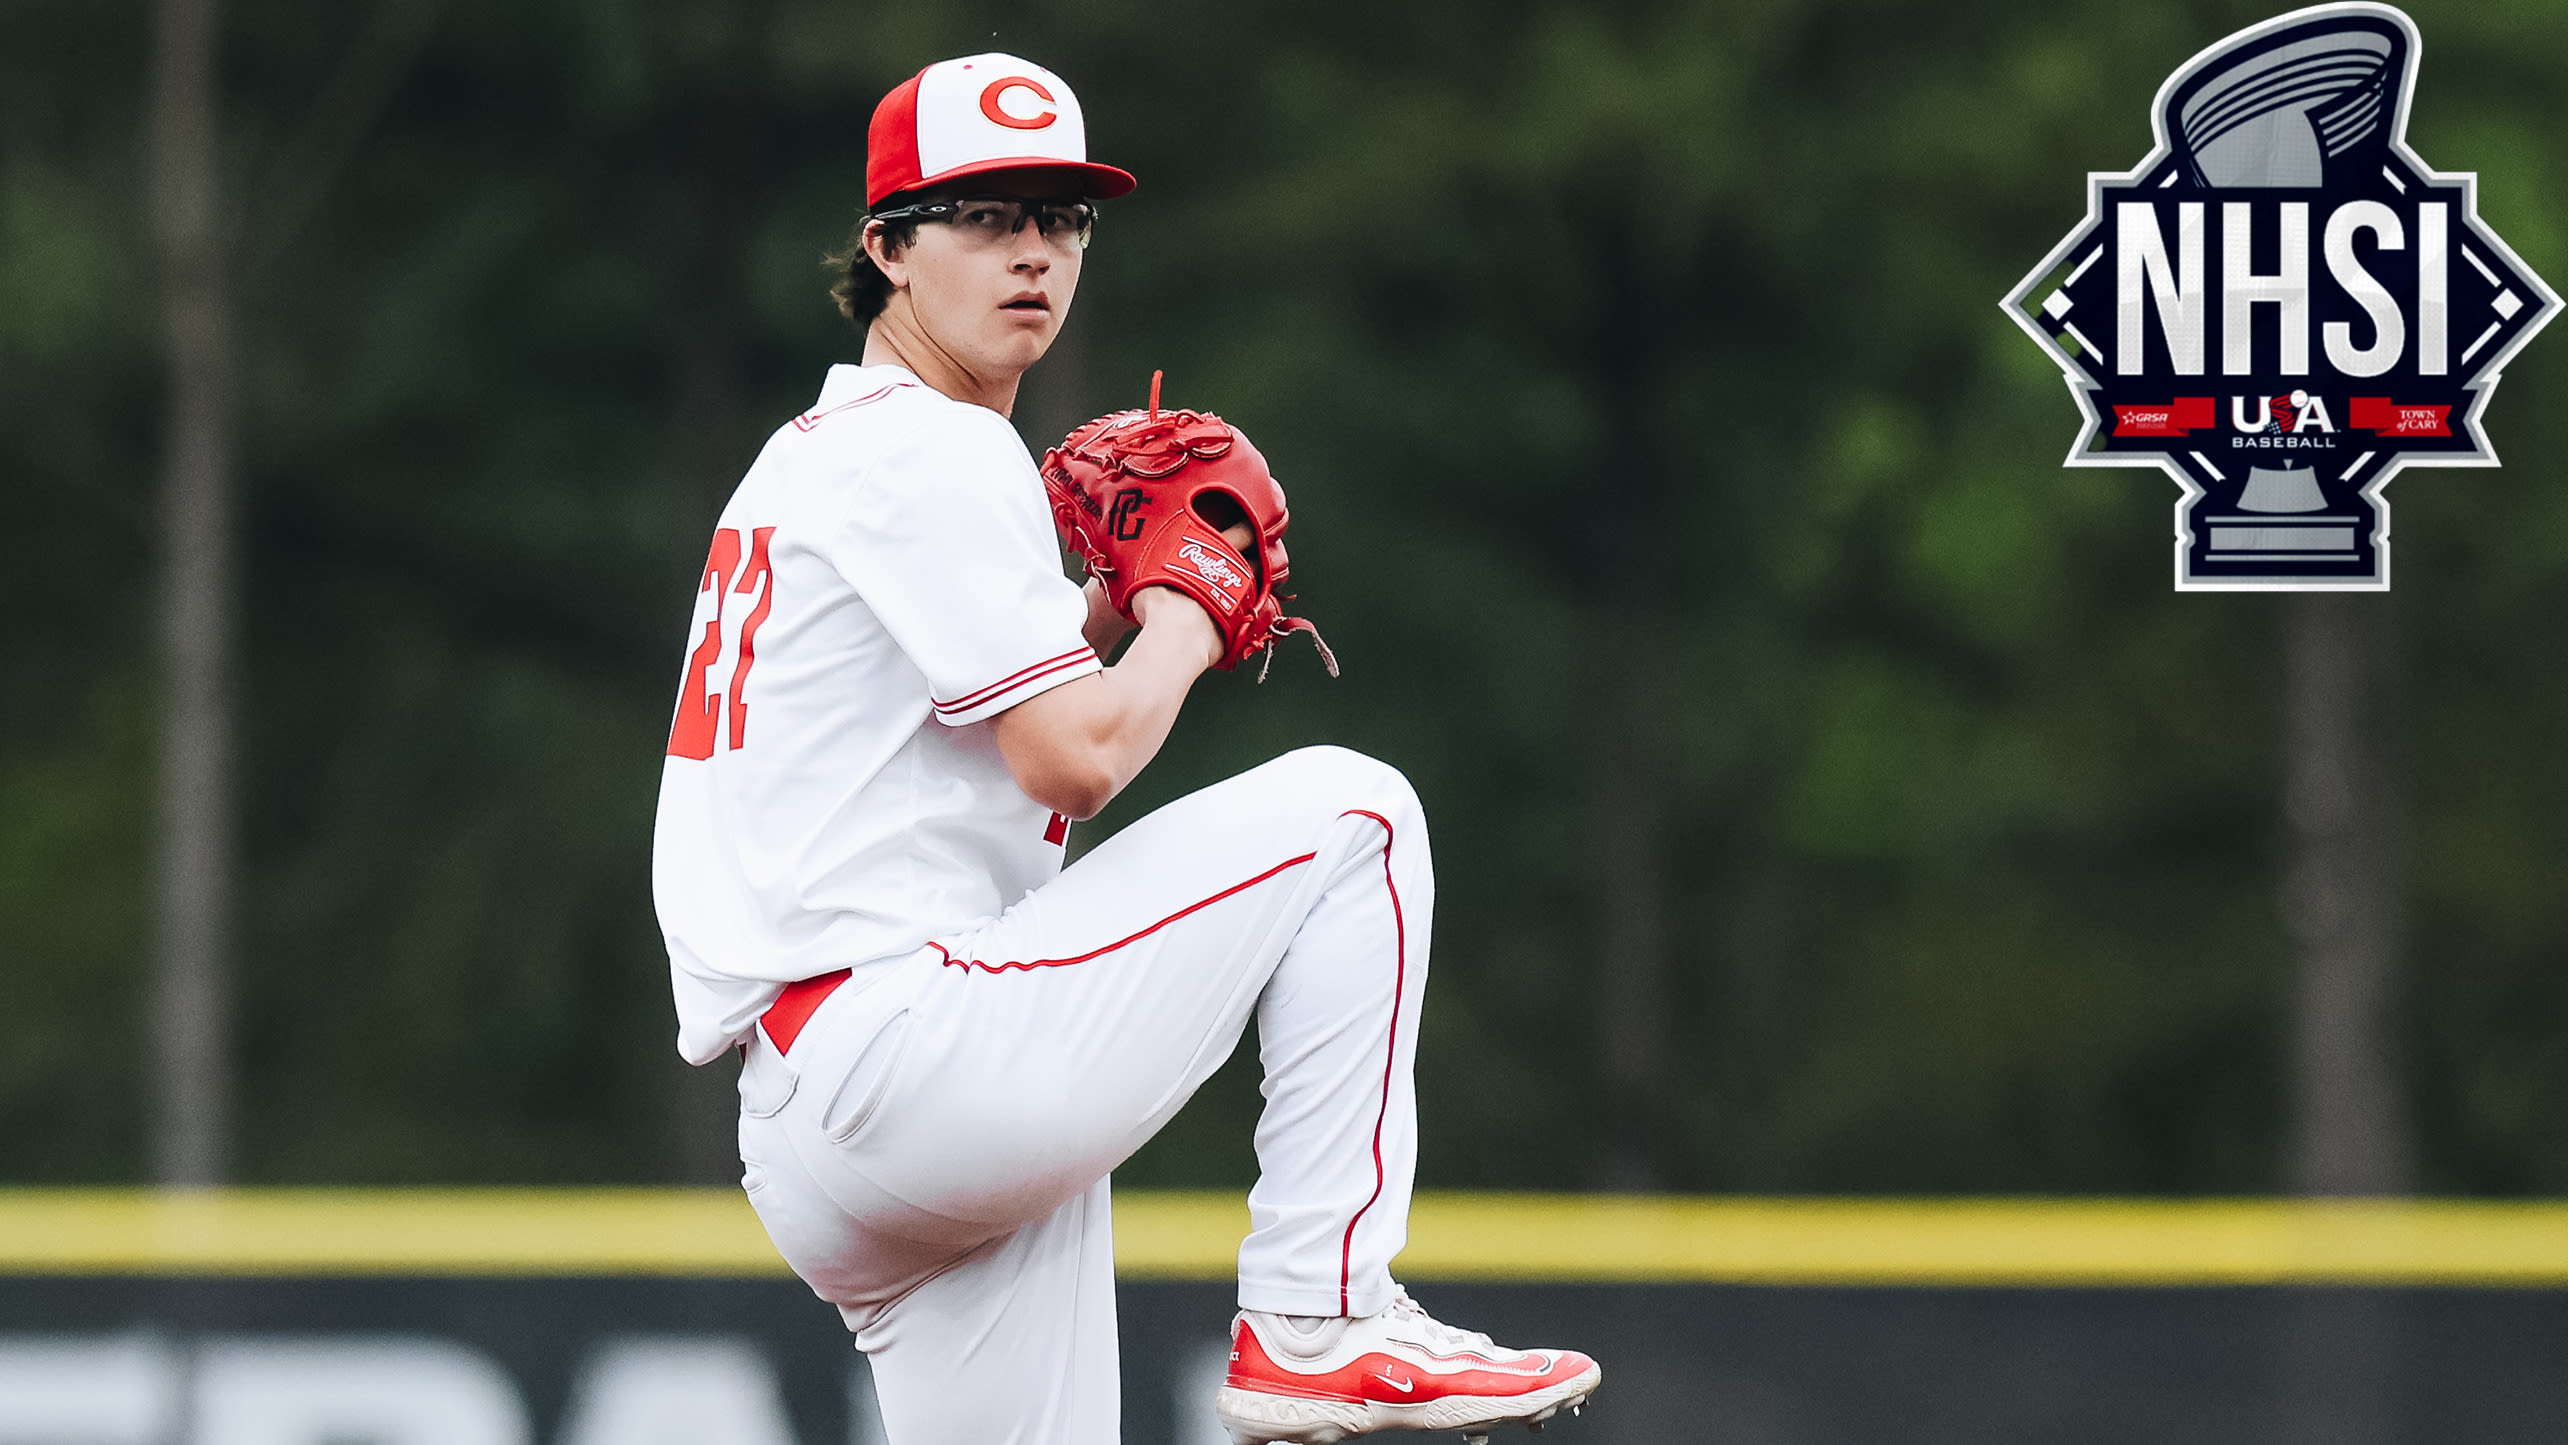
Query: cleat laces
{"points": [[1450, 1339]]}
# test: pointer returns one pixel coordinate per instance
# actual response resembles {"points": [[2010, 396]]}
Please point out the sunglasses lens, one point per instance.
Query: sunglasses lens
{"points": [[992, 219], [1064, 223]]}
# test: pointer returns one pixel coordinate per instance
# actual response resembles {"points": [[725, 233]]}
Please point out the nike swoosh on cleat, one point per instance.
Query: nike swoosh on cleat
{"points": [[1403, 1386]]}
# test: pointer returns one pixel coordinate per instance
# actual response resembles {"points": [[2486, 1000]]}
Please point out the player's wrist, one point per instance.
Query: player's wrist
{"points": [[1171, 610]]}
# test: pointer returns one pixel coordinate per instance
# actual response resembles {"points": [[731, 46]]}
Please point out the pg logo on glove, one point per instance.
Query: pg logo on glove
{"points": [[2283, 306]]}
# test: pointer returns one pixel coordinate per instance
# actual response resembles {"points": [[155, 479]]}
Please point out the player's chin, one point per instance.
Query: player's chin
{"points": [[1025, 335]]}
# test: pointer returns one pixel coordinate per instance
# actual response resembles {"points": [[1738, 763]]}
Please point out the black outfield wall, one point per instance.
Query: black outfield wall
{"points": [[574, 1361]]}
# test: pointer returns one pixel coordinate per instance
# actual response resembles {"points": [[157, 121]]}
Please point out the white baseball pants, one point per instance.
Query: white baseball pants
{"points": [[931, 1154]]}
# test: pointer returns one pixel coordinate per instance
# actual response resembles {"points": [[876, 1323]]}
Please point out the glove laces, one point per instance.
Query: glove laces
{"points": [[1285, 627]]}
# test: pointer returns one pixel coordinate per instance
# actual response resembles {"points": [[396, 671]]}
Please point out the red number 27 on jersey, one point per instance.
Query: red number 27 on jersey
{"points": [[700, 711]]}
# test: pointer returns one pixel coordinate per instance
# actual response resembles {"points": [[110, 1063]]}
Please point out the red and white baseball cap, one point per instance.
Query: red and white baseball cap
{"points": [[989, 112]]}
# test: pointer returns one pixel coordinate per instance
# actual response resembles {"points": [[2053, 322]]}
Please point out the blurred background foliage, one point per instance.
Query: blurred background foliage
{"points": [[1688, 516]]}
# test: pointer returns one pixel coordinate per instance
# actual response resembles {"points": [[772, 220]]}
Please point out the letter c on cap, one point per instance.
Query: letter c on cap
{"points": [[996, 88]]}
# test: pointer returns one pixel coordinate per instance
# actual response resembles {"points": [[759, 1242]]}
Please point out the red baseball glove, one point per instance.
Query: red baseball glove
{"points": [[1143, 497]]}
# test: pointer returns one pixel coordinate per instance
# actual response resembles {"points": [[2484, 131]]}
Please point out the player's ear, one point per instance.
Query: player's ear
{"points": [[886, 254]]}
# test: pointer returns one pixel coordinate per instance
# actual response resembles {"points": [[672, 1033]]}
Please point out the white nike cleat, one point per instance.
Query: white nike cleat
{"points": [[1401, 1369]]}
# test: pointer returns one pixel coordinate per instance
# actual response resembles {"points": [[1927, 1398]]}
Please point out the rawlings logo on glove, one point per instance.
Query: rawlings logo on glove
{"points": [[1136, 494], [1214, 568]]}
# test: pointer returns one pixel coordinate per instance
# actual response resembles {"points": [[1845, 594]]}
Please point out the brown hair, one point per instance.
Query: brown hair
{"points": [[861, 289]]}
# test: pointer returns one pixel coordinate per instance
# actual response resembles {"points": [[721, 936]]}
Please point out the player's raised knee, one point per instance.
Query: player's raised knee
{"points": [[1350, 779]]}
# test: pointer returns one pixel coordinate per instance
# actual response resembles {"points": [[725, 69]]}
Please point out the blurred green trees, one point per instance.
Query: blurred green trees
{"points": [[1830, 791]]}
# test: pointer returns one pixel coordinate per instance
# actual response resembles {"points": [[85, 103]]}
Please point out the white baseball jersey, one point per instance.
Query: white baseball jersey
{"points": [[884, 581]]}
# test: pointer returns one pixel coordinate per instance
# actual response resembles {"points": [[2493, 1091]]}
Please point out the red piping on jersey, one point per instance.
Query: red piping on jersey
{"points": [[793, 1008], [1391, 1051], [810, 419], [1019, 678], [968, 964]]}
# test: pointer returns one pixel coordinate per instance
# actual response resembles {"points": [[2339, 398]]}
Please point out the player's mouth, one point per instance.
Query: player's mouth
{"points": [[1030, 303]]}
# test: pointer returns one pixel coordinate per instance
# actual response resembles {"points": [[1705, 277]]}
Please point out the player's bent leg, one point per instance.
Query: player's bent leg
{"points": [[1316, 1381], [1045, 1047]]}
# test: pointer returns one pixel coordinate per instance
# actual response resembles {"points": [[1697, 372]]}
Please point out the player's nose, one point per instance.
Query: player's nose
{"points": [[1028, 251]]}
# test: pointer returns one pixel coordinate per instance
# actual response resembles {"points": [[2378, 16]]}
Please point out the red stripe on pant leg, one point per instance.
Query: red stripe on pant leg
{"points": [[1390, 1052], [968, 964]]}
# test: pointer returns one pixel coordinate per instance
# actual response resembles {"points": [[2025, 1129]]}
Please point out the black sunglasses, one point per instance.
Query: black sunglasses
{"points": [[992, 217]]}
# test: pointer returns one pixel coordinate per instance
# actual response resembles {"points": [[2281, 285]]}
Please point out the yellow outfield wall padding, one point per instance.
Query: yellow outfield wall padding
{"points": [[1986, 1242], [1191, 1235], [390, 1231]]}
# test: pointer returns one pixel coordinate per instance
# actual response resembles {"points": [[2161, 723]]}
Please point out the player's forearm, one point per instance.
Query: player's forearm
{"points": [[1075, 747], [1146, 690]]}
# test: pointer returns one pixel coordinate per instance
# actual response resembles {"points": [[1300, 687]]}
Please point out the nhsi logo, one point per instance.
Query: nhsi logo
{"points": [[2282, 306]]}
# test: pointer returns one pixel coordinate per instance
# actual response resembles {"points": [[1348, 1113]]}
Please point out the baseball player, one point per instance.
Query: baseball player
{"points": [[893, 705]]}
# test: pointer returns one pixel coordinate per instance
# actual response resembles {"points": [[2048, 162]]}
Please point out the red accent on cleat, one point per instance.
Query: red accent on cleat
{"points": [[1399, 1369], [1409, 1378]]}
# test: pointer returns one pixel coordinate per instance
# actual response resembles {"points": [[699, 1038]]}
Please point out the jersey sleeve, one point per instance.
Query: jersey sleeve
{"points": [[946, 536]]}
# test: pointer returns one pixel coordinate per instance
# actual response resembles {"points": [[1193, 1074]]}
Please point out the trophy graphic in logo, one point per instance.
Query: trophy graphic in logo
{"points": [[2283, 305]]}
